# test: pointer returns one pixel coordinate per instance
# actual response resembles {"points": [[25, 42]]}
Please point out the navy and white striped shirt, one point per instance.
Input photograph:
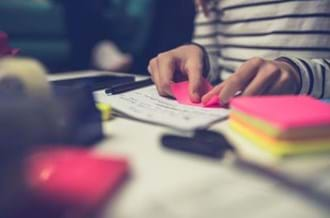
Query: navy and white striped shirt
{"points": [[299, 30]]}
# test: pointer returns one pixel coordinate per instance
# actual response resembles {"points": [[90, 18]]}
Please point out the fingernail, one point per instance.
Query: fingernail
{"points": [[238, 93]]}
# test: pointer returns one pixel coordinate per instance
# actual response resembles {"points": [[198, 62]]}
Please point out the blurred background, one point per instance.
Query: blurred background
{"points": [[71, 35], [117, 35]]}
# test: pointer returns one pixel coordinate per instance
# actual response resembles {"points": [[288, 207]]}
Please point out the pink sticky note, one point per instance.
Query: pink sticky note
{"points": [[180, 91], [213, 102], [285, 112], [74, 177]]}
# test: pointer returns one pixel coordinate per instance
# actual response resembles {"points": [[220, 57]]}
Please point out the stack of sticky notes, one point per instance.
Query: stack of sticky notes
{"points": [[283, 125]]}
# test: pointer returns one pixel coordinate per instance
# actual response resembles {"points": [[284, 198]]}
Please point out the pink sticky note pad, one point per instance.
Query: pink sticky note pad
{"points": [[285, 111], [74, 177], [180, 91]]}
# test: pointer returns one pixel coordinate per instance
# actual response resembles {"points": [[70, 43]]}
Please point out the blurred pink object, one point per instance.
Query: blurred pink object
{"points": [[5, 49]]}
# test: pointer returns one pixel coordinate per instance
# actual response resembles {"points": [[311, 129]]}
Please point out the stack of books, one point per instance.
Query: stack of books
{"points": [[282, 125]]}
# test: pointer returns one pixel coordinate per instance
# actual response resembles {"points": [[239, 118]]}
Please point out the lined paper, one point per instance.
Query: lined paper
{"points": [[145, 104]]}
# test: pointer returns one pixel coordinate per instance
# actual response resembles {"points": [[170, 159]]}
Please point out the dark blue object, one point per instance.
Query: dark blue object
{"points": [[79, 119], [203, 142], [128, 87], [94, 83]]}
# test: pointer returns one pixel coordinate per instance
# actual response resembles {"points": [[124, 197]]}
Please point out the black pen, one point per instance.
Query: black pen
{"points": [[128, 87]]}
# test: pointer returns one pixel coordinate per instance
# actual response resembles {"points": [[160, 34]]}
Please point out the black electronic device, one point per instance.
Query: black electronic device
{"points": [[203, 142], [95, 82]]}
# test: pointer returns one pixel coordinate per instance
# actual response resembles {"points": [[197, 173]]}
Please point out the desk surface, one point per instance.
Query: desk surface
{"points": [[165, 183]]}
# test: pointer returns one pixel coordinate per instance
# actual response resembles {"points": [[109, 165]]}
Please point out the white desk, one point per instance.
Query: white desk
{"points": [[166, 183]]}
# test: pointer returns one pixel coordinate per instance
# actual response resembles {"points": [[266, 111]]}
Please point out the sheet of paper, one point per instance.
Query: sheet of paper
{"points": [[145, 104]]}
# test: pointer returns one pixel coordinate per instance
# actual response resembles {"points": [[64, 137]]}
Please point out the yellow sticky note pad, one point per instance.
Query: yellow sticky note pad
{"points": [[279, 147], [271, 130]]}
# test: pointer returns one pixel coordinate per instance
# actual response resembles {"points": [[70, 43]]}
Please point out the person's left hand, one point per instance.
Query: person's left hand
{"points": [[257, 76], [203, 5]]}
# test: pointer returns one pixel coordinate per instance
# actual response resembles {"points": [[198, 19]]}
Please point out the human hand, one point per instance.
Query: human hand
{"points": [[258, 76], [202, 4], [185, 62]]}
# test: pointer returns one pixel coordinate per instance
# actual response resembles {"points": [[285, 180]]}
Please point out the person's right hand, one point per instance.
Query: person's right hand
{"points": [[185, 62]]}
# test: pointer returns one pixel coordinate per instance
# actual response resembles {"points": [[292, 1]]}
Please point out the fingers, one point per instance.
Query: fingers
{"points": [[257, 77], [282, 85], [166, 67], [288, 82], [215, 91], [273, 78], [202, 4], [240, 79], [266, 77], [185, 61], [154, 72], [162, 69], [196, 85]]}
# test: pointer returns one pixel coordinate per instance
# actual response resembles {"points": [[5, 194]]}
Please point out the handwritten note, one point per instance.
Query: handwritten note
{"points": [[145, 104]]}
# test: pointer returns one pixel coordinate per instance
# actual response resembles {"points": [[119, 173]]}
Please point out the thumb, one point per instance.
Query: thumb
{"points": [[196, 84]]}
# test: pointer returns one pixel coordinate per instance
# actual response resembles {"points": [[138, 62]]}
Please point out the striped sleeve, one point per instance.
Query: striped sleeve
{"points": [[315, 76]]}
